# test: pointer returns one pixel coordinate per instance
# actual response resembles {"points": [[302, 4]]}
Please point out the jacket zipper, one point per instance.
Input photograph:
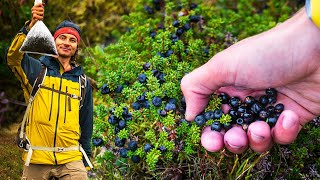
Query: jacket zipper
{"points": [[51, 102], [65, 104], [55, 132]]}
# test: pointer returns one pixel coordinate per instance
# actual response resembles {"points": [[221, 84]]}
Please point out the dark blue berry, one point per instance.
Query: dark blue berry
{"points": [[123, 152], [249, 101], [263, 114], [183, 120], [113, 119], [172, 101], [271, 92], [162, 149], [111, 110], [161, 78], [116, 130], [263, 100], [279, 108], [142, 97], [227, 126], [186, 27], [153, 34], [146, 66], [148, 9], [174, 36], [170, 107], [97, 141], [193, 6], [248, 117], [209, 115], [119, 142], [133, 145], [128, 117], [176, 23], [142, 78], [135, 159], [157, 101], [272, 99], [240, 121], [146, 104], [241, 109], [168, 53], [161, 26], [136, 106], [183, 101], [216, 126], [235, 102], [194, 18], [105, 89], [118, 89], [270, 109], [179, 31], [147, 147], [224, 98], [122, 124], [272, 121], [256, 108], [199, 120], [162, 113], [232, 113], [217, 113]]}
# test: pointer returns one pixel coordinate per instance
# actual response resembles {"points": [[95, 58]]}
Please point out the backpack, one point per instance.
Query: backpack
{"points": [[21, 139]]}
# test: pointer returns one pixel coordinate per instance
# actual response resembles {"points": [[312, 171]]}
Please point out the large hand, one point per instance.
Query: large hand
{"points": [[37, 12], [287, 58]]}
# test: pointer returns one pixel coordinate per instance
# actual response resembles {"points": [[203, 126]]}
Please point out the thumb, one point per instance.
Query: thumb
{"points": [[198, 85], [287, 128], [195, 92]]}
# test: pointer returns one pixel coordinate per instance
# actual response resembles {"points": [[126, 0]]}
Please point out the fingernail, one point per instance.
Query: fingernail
{"points": [[288, 123], [256, 138]]}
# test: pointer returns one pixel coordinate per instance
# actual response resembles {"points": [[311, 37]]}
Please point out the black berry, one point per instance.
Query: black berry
{"points": [[199, 120], [97, 141], [216, 126], [147, 147], [133, 145]]}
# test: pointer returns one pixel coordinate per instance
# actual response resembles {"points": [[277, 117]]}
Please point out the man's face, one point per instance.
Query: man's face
{"points": [[66, 45]]}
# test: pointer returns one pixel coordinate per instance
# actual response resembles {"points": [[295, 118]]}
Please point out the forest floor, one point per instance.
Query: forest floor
{"points": [[11, 163]]}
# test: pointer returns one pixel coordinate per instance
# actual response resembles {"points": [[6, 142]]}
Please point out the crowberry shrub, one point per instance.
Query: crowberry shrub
{"points": [[140, 111]]}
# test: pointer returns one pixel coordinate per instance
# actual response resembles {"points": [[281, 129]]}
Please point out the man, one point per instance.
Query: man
{"points": [[59, 123]]}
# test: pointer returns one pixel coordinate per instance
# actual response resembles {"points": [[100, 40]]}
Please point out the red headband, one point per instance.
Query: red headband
{"points": [[67, 30]]}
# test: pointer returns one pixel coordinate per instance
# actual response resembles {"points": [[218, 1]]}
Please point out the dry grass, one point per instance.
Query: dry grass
{"points": [[10, 155]]}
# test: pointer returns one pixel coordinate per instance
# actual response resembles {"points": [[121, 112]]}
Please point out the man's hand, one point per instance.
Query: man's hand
{"points": [[37, 12], [286, 58]]}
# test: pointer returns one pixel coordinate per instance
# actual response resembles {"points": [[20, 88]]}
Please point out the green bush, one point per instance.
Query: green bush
{"points": [[149, 61]]}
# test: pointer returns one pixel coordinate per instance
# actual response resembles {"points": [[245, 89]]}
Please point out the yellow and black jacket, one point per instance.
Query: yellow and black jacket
{"points": [[54, 119]]}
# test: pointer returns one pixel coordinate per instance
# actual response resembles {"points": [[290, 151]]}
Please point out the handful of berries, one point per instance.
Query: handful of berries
{"points": [[245, 112]]}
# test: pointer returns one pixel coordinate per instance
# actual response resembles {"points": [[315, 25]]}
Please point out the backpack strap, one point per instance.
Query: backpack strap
{"points": [[39, 80], [83, 84], [33, 93]]}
